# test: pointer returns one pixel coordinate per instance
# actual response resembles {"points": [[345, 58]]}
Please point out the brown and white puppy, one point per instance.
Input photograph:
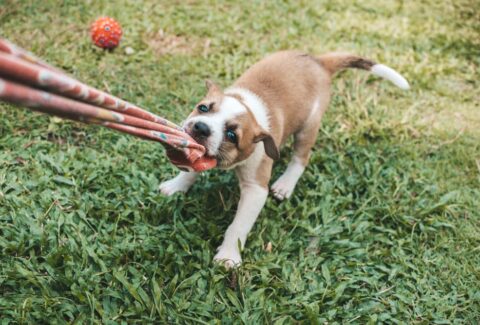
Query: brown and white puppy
{"points": [[244, 126]]}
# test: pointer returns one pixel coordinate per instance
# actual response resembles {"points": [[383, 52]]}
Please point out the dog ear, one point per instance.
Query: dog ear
{"points": [[271, 148], [212, 88]]}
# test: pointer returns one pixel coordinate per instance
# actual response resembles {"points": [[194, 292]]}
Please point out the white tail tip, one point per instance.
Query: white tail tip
{"points": [[390, 74]]}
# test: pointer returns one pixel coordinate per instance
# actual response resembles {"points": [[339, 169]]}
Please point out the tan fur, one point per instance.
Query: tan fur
{"points": [[294, 90], [289, 83]]}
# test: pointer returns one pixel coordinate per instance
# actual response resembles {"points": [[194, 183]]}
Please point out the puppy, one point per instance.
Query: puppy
{"points": [[244, 126]]}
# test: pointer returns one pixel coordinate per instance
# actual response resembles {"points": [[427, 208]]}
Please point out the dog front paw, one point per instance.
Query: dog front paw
{"points": [[228, 256], [177, 184], [283, 188]]}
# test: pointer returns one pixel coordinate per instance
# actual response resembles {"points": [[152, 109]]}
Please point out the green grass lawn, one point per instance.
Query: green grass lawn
{"points": [[384, 226]]}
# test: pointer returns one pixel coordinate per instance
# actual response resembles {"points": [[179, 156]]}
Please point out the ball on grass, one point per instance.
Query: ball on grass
{"points": [[106, 33]]}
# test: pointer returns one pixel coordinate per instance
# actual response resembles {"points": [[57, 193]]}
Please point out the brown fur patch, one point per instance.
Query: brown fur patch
{"points": [[336, 61], [296, 91], [271, 149], [295, 88], [288, 82], [246, 129]]}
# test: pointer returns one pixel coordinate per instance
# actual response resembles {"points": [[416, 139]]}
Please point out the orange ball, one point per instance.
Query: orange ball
{"points": [[106, 33]]}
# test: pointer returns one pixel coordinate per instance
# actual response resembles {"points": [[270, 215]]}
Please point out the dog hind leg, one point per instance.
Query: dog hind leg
{"points": [[304, 140]]}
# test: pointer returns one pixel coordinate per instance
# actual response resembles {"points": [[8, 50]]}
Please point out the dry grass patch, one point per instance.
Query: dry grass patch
{"points": [[163, 43]]}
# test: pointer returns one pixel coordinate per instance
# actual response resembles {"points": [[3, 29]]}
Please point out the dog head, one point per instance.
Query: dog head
{"points": [[225, 125]]}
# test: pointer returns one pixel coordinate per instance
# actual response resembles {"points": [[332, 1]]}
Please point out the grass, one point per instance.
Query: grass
{"points": [[383, 227]]}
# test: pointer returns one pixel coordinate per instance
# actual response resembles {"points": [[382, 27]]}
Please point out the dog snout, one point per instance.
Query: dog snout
{"points": [[201, 129]]}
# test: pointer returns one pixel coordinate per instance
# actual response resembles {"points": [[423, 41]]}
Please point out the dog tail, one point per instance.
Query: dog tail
{"points": [[337, 61]]}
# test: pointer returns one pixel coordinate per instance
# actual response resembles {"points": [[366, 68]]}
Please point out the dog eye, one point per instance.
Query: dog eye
{"points": [[203, 108], [231, 136]]}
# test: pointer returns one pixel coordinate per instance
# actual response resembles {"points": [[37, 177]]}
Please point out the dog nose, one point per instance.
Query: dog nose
{"points": [[201, 129]]}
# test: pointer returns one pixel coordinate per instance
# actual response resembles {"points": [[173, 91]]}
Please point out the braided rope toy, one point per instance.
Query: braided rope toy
{"points": [[44, 88]]}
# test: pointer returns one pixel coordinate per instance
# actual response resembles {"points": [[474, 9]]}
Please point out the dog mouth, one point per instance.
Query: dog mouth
{"points": [[222, 161], [207, 142]]}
